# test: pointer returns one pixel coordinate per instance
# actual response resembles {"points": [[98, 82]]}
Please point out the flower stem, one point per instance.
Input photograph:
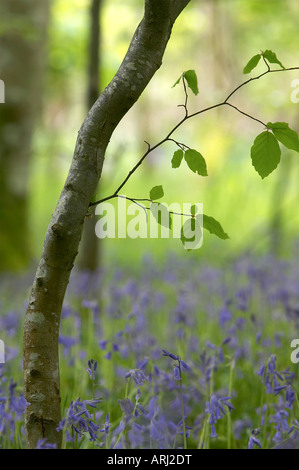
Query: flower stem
{"points": [[182, 407], [230, 387]]}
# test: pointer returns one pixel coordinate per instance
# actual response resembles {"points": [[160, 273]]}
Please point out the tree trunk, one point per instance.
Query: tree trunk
{"points": [[41, 329], [23, 27], [90, 245]]}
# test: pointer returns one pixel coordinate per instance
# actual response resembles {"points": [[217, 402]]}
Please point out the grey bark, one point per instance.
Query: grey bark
{"points": [[41, 328]]}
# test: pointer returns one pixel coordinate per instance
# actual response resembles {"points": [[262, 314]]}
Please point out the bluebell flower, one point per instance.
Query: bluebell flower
{"points": [[92, 367], [137, 375], [79, 419], [172, 356], [176, 373], [177, 368], [280, 418], [290, 397], [67, 342], [270, 375], [136, 436], [44, 444], [254, 441], [290, 394], [127, 406], [213, 431], [143, 363], [106, 427], [103, 344], [215, 408], [225, 315]]}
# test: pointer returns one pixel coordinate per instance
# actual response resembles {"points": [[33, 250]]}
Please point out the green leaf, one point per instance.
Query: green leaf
{"points": [[271, 57], [177, 158], [285, 135], [196, 162], [214, 227], [193, 209], [161, 214], [265, 153], [156, 193], [177, 82], [191, 232], [191, 79], [252, 63]]}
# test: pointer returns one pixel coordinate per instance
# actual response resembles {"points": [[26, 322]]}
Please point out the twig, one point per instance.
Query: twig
{"points": [[181, 122]]}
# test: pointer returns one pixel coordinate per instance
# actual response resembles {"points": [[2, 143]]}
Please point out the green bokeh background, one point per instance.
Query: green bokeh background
{"points": [[216, 38]]}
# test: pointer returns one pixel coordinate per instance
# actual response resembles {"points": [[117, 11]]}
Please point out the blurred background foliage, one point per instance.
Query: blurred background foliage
{"points": [[214, 37]]}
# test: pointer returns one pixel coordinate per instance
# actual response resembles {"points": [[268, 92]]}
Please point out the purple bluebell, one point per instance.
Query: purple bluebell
{"points": [[44, 444], [127, 406], [103, 344], [137, 375], [254, 441], [215, 408], [79, 419], [172, 356], [106, 426], [280, 418], [271, 377], [225, 316], [92, 367]]}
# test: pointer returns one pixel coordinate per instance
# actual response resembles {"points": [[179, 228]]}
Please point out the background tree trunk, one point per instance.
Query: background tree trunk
{"points": [[22, 63], [90, 244], [41, 328]]}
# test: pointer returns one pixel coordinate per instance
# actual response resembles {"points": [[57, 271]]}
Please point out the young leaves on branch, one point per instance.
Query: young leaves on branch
{"points": [[214, 227], [268, 55], [265, 152], [191, 79], [285, 135], [194, 160], [156, 193], [252, 63], [177, 158], [191, 229], [271, 57]]}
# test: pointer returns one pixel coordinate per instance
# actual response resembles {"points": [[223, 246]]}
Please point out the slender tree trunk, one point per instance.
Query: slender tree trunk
{"points": [[90, 244], [41, 329], [23, 27]]}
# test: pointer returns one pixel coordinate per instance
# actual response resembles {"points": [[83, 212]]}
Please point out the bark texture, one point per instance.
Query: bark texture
{"points": [[41, 329]]}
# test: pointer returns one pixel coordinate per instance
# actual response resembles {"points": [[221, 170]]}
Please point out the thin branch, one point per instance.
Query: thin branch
{"points": [[189, 116], [136, 201], [179, 144], [186, 96], [245, 114], [257, 78], [267, 65]]}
